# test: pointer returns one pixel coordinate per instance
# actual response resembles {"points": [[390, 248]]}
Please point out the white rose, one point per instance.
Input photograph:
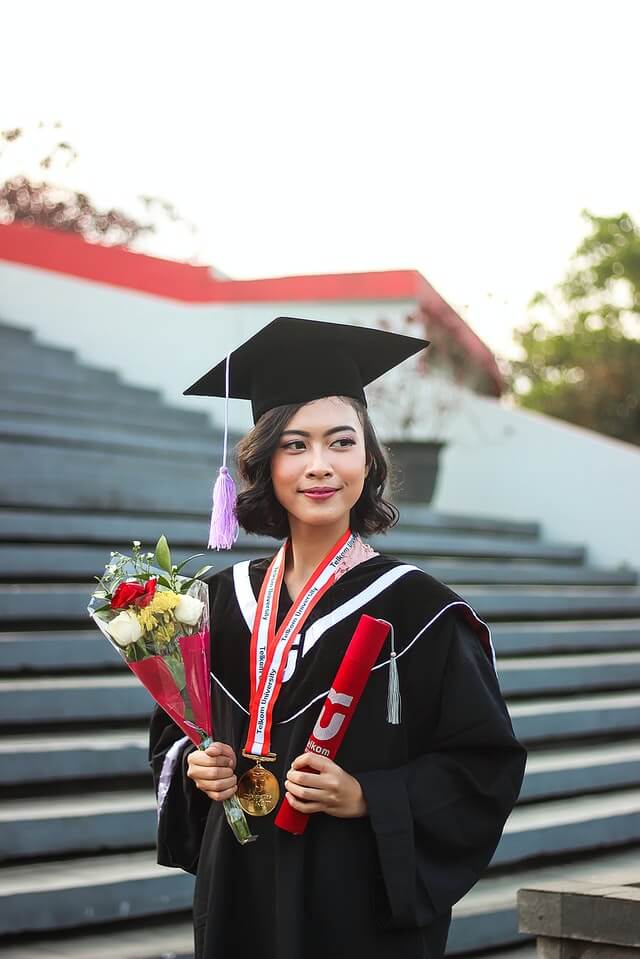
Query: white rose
{"points": [[188, 610], [125, 628]]}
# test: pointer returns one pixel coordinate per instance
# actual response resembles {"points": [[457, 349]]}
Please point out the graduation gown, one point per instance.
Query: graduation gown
{"points": [[439, 786]]}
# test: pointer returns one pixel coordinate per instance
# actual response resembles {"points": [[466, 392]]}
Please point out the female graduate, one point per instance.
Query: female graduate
{"points": [[406, 819]]}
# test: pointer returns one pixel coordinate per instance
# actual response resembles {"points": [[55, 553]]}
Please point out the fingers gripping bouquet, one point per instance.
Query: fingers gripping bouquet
{"points": [[158, 621]]}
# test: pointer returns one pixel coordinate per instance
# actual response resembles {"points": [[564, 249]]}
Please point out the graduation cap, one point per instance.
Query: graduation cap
{"points": [[293, 360]]}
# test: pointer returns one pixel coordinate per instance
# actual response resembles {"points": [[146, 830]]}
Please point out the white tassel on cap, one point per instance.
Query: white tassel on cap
{"points": [[224, 529]]}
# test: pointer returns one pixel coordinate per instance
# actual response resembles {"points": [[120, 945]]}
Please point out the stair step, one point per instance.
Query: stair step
{"points": [[93, 526], [102, 434], [68, 893], [534, 675], [31, 603], [166, 940], [127, 819], [562, 637], [580, 769], [50, 826], [99, 385], [60, 650], [48, 362], [417, 517], [129, 414], [84, 698], [65, 561], [565, 826], [56, 651], [63, 757], [62, 475], [11, 335], [121, 697], [34, 562], [539, 720], [487, 916]]}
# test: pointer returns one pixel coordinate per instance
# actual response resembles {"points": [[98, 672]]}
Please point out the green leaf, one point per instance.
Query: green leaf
{"points": [[199, 572], [188, 560], [165, 582], [163, 554]]}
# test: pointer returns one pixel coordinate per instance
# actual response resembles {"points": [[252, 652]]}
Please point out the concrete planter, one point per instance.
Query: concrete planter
{"points": [[415, 467]]}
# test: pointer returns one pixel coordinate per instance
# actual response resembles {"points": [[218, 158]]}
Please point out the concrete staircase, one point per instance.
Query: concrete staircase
{"points": [[89, 464]]}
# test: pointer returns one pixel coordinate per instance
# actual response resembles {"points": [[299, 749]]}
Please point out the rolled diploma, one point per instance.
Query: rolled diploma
{"points": [[340, 705]]}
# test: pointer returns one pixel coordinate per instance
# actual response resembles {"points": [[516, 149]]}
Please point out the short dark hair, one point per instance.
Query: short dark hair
{"points": [[257, 507]]}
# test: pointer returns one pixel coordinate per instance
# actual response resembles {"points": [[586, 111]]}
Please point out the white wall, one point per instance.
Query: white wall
{"points": [[583, 487], [152, 341]]}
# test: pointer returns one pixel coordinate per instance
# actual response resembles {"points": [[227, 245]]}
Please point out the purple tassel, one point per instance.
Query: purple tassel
{"points": [[224, 529]]}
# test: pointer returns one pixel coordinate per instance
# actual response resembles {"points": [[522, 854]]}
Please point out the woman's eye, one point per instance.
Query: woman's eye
{"points": [[343, 440]]}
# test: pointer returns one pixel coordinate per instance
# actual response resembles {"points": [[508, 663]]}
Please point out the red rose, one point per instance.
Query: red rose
{"points": [[148, 594], [133, 594]]}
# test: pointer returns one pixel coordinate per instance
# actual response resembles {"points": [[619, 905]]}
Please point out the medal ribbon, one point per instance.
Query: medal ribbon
{"points": [[270, 649]]}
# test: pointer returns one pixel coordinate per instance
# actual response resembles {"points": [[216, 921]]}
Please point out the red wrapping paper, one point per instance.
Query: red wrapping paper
{"points": [[340, 705]]}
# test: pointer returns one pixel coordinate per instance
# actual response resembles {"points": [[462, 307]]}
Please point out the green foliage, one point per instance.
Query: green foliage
{"points": [[583, 363]]}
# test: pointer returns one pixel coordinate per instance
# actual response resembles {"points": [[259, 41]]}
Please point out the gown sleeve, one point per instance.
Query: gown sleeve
{"points": [[437, 820], [182, 807]]}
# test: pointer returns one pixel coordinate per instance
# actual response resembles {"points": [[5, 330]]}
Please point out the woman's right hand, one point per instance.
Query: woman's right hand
{"points": [[212, 770]]}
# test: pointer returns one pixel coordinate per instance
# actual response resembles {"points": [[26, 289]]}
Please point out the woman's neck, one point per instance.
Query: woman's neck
{"points": [[308, 547]]}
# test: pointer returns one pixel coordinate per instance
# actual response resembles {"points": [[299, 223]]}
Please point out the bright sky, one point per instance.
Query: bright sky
{"points": [[459, 138]]}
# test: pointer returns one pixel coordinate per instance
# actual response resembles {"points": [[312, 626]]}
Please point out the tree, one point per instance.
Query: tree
{"points": [[582, 363], [57, 207]]}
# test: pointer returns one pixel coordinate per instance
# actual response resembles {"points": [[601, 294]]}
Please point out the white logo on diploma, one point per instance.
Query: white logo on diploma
{"points": [[322, 733]]}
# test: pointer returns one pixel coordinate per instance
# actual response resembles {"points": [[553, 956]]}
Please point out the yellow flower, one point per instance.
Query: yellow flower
{"points": [[146, 619], [164, 602], [163, 634]]}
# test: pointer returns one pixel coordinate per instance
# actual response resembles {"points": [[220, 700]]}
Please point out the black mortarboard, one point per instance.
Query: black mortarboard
{"points": [[294, 360]]}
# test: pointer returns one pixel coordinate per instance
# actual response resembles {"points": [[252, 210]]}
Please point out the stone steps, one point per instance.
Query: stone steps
{"points": [[28, 758], [113, 437], [94, 699], [71, 561], [138, 940], [28, 603], [187, 528], [70, 825], [135, 416], [118, 820], [64, 650], [84, 891]]}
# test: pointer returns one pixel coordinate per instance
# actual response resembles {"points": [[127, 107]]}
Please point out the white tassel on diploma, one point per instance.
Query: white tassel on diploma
{"points": [[394, 702]]}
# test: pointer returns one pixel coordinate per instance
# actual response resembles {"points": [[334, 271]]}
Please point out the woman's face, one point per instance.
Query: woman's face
{"points": [[320, 449]]}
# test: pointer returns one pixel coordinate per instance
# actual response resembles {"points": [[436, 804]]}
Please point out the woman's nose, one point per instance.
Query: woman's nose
{"points": [[318, 463]]}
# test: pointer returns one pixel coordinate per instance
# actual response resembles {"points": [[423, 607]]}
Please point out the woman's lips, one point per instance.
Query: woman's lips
{"points": [[320, 494]]}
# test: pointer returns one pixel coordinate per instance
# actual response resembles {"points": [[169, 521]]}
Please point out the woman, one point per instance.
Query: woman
{"points": [[407, 818]]}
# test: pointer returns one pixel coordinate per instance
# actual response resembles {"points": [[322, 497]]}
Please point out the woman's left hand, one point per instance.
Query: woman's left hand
{"points": [[328, 788]]}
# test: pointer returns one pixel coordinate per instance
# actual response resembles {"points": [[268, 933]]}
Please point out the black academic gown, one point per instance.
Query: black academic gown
{"points": [[439, 786]]}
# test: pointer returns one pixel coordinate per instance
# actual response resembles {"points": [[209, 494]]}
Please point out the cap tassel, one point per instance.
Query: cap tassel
{"points": [[394, 702], [224, 529]]}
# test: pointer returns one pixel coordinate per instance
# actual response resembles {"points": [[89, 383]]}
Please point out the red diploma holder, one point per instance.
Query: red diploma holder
{"points": [[339, 706]]}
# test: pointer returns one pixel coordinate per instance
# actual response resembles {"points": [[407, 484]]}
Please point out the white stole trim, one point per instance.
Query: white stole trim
{"points": [[316, 630], [244, 593]]}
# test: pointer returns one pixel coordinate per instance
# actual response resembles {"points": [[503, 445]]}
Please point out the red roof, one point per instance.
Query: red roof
{"points": [[118, 266]]}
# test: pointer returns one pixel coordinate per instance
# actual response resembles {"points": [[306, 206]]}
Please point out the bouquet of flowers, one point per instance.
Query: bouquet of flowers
{"points": [[158, 621]]}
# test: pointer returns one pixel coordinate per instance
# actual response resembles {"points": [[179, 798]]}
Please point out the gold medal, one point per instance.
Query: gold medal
{"points": [[258, 789]]}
